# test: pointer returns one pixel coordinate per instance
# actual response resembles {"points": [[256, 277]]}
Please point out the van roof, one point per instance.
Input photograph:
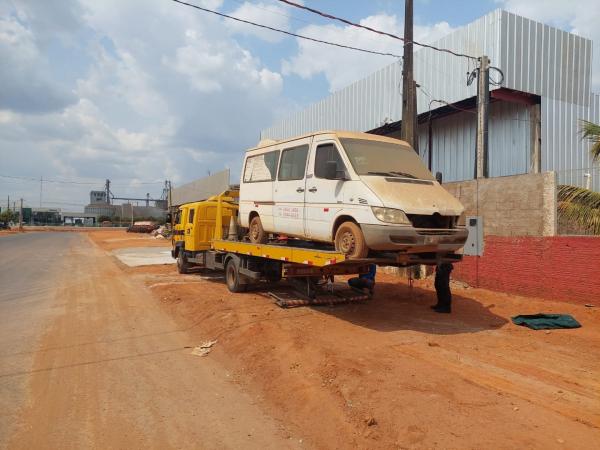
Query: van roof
{"points": [[339, 133]]}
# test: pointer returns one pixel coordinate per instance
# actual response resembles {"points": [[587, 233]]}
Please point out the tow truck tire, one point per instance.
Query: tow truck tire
{"points": [[232, 277], [256, 232], [182, 263], [350, 241]]}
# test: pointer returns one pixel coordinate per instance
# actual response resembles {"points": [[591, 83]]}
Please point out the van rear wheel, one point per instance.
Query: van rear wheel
{"points": [[350, 241], [256, 232]]}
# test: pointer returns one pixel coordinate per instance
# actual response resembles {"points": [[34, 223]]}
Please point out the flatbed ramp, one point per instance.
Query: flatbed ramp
{"points": [[338, 294]]}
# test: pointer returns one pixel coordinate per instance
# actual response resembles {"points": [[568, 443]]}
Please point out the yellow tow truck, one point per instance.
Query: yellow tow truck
{"points": [[206, 235]]}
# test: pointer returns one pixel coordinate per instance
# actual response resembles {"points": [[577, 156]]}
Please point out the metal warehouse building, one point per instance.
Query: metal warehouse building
{"points": [[534, 115]]}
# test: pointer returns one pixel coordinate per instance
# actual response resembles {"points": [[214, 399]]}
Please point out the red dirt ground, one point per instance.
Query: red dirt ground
{"points": [[391, 373]]}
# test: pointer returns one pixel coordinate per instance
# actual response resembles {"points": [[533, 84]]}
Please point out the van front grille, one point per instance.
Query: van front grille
{"points": [[432, 221]]}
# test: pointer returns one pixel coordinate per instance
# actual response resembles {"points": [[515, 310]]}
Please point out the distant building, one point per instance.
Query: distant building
{"points": [[100, 209], [534, 113], [44, 216], [98, 197], [78, 218]]}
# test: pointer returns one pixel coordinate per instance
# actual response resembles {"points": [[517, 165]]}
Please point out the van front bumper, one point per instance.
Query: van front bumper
{"points": [[413, 240]]}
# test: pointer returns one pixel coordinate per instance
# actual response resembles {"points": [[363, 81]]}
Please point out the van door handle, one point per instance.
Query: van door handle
{"points": [[312, 189], [300, 189]]}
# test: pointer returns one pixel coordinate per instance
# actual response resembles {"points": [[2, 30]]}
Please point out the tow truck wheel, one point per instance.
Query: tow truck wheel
{"points": [[350, 241], [182, 263], [256, 233], [232, 277]]}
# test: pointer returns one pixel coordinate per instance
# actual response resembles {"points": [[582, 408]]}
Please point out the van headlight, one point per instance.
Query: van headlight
{"points": [[390, 215]]}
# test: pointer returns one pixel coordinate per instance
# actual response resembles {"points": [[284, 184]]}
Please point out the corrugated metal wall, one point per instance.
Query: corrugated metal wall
{"points": [[377, 99], [563, 150], [546, 61], [453, 142]]}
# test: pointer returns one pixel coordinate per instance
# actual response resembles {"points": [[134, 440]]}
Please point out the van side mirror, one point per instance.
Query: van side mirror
{"points": [[330, 170], [168, 218], [438, 177]]}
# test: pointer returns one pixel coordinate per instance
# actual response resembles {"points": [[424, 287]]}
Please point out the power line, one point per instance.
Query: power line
{"points": [[86, 183], [383, 33], [470, 111], [373, 52], [272, 11]]}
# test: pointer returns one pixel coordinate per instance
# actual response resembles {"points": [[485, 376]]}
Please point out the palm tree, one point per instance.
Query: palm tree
{"points": [[591, 132], [578, 205]]}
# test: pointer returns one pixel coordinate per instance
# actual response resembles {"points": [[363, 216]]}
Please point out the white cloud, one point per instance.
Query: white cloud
{"points": [[25, 85], [342, 67], [168, 95], [581, 17], [266, 14]]}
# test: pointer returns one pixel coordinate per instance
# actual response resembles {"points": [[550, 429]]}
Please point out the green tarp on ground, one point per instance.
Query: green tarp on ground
{"points": [[545, 321]]}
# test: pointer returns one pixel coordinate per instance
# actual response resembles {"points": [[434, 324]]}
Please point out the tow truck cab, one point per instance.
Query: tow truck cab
{"points": [[195, 224]]}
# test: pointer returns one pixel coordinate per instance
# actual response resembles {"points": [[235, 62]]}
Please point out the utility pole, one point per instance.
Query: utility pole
{"points": [[21, 216], [170, 197], [41, 183], [409, 90], [483, 102]]}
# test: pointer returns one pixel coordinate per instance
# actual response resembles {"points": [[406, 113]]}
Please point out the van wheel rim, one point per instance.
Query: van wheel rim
{"points": [[347, 242]]}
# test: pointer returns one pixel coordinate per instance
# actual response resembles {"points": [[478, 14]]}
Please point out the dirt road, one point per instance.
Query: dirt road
{"points": [[90, 360], [111, 368]]}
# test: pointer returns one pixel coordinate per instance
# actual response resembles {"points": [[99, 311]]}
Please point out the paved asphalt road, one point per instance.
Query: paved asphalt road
{"points": [[29, 266], [89, 359]]}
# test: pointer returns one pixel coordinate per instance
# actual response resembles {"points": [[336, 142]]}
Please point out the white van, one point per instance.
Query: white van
{"points": [[359, 191]]}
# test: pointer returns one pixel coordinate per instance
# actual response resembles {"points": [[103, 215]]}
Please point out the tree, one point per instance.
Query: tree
{"points": [[9, 216], [578, 205], [591, 132]]}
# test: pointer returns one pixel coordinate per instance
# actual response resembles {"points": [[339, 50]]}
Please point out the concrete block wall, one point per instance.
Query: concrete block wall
{"points": [[518, 205]]}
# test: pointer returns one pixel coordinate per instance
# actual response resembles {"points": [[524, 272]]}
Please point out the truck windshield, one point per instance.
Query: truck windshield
{"points": [[385, 159]]}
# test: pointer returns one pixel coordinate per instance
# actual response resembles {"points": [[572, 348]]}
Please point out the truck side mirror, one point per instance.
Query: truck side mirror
{"points": [[438, 177], [330, 170]]}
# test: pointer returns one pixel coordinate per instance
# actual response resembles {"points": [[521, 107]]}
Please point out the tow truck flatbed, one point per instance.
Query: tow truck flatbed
{"points": [[307, 266]]}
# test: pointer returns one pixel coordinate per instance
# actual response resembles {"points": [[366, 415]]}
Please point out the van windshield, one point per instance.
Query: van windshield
{"points": [[385, 159]]}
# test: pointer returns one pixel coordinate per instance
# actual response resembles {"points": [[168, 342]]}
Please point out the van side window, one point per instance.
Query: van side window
{"points": [[191, 216], [325, 153], [178, 217], [261, 167], [293, 163]]}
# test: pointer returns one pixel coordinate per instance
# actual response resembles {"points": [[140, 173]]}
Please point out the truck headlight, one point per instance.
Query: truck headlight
{"points": [[390, 215]]}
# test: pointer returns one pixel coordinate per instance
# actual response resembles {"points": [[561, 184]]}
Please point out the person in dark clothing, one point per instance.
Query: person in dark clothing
{"points": [[364, 280], [442, 288]]}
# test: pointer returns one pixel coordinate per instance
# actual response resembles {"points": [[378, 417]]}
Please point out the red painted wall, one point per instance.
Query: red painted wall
{"points": [[556, 268]]}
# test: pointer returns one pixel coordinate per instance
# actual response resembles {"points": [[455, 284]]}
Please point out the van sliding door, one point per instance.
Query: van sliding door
{"points": [[289, 192]]}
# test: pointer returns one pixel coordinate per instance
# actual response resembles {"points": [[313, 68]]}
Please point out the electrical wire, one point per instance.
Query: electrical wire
{"points": [[373, 52], [241, 2], [383, 33], [496, 82], [84, 183], [470, 111]]}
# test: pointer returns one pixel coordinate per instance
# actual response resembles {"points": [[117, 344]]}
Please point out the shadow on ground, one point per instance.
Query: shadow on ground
{"points": [[396, 306]]}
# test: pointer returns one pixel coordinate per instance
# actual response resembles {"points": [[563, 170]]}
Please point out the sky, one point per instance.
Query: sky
{"points": [[141, 91]]}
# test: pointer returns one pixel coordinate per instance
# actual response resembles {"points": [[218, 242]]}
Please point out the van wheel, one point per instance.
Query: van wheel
{"points": [[350, 241], [256, 233], [232, 277], [183, 266]]}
